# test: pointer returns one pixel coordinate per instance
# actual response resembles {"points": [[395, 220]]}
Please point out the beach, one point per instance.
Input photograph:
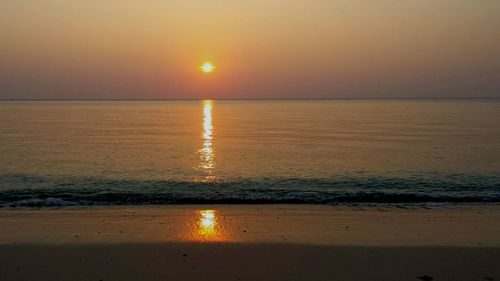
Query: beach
{"points": [[251, 242], [249, 140]]}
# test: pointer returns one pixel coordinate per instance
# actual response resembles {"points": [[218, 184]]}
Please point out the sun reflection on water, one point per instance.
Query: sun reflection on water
{"points": [[207, 152]]}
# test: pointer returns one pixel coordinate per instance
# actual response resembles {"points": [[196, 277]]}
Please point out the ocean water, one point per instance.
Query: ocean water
{"points": [[297, 151]]}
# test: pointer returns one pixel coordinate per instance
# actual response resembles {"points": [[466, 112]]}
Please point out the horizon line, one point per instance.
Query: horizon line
{"points": [[245, 99]]}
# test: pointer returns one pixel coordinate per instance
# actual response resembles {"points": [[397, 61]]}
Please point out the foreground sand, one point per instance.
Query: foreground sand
{"points": [[256, 242]]}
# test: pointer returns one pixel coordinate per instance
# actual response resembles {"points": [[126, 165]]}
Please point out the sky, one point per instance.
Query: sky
{"points": [[152, 49]]}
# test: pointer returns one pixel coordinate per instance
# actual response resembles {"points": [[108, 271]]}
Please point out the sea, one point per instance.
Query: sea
{"points": [[360, 152]]}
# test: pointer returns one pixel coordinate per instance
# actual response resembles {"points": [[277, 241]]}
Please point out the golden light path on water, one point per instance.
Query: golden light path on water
{"points": [[207, 227], [207, 152]]}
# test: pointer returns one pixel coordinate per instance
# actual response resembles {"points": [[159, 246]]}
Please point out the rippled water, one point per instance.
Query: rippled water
{"points": [[336, 151]]}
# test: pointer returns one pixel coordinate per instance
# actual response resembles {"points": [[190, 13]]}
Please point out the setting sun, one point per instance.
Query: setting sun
{"points": [[207, 67], [252, 140]]}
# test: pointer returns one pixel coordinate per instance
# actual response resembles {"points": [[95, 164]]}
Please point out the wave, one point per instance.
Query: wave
{"points": [[28, 190]]}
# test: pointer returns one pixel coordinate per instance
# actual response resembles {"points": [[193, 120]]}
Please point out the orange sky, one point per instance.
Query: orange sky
{"points": [[262, 49]]}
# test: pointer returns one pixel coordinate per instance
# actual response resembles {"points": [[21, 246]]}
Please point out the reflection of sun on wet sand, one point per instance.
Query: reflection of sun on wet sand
{"points": [[267, 243], [207, 227], [208, 223]]}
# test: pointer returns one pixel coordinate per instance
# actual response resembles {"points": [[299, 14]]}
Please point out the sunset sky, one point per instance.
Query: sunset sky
{"points": [[153, 49]]}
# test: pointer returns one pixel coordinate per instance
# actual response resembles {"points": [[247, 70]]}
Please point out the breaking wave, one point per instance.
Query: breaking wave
{"points": [[27, 190]]}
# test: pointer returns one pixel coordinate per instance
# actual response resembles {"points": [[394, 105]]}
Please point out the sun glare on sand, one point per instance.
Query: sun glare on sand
{"points": [[207, 226], [207, 67]]}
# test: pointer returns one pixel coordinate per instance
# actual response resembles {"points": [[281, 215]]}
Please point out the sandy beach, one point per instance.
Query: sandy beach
{"points": [[251, 242], [249, 140]]}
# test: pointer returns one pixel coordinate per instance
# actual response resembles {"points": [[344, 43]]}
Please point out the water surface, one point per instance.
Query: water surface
{"points": [[327, 152]]}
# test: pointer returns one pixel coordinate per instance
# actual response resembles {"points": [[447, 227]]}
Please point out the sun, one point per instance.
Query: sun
{"points": [[207, 67]]}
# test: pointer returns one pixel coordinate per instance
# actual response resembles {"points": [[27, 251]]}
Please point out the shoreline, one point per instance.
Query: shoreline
{"points": [[471, 225], [250, 242]]}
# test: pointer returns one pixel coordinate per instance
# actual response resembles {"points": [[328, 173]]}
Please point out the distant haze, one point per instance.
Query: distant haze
{"points": [[151, 49]]}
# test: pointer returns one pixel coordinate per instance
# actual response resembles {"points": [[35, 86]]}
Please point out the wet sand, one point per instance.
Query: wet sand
{"points": [[251, 242]]}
